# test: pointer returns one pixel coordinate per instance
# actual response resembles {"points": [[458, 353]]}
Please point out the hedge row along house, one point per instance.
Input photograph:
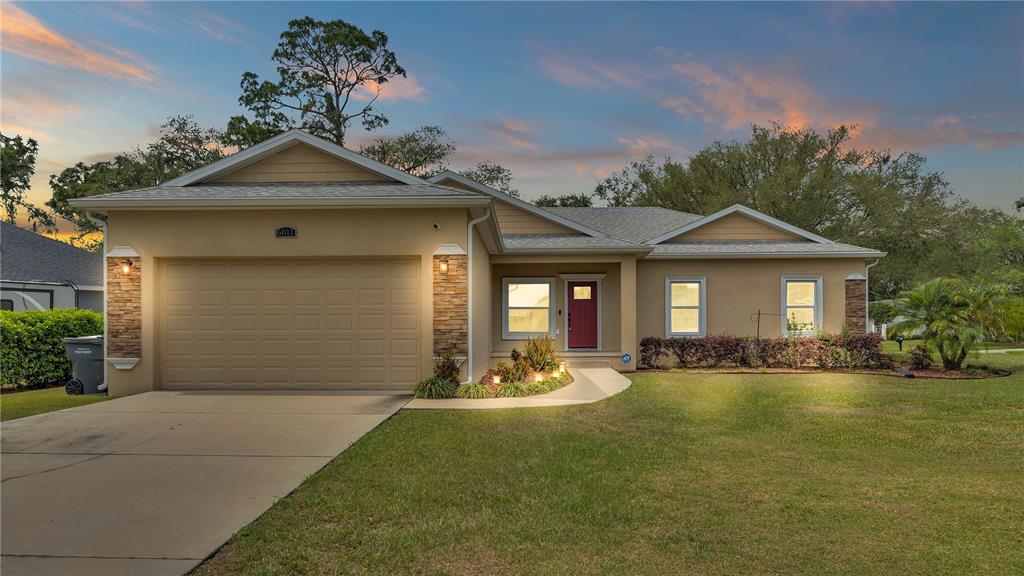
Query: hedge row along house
{"points": [[297, 263]]}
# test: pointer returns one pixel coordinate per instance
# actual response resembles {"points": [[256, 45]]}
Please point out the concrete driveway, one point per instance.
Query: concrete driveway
{"points": [[154, 483]]}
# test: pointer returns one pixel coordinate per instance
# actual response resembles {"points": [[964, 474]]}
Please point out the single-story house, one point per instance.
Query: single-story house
{"points": [[40, 273], [297, 263]]}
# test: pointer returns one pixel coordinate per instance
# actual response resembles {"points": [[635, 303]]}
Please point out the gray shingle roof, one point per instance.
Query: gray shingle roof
{"points": [[637, 225], [735, 248], [28, 257], [567, 243], [288, 190]]}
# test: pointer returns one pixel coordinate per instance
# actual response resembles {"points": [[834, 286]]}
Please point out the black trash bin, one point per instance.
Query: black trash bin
{"points": [[86, 356]]}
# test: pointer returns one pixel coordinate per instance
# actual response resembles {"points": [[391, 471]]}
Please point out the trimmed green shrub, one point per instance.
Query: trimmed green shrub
{"points": [[824, 351], [31, 351], [920, 357], [540, 354], [434, 388], [512, 390], [474, 390], [535, 387], [447, 368]]}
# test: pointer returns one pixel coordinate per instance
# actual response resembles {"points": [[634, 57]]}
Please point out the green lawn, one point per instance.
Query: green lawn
{"points": [[20, 404], [890, 346], [680, 474]]}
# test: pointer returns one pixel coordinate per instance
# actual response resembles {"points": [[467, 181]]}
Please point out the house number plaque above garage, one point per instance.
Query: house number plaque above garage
{"points": [[285, 232]]}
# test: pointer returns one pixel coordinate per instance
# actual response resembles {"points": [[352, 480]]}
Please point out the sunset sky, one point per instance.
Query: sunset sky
{"points": [[562, 94]]}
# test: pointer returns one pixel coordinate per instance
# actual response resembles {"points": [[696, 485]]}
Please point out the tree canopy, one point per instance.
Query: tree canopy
{"points": [[494, 175], [183, 146], [329, 75], [18, 159], [821, 182], [565, 201], [422, 152]]}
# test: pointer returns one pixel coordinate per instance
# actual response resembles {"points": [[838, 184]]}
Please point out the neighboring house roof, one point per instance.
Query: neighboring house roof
{"points": [[545, 243], [280, 142], [760, 249], [748, 212], [520, 204], [28, 257], [287, 193], [630, 224]]}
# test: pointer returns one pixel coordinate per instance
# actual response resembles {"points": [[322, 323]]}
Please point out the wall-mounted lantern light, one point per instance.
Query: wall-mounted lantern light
{"points": [[443, 265], [126, 265]]}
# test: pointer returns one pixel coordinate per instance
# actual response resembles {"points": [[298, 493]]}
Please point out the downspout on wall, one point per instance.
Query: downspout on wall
{"points": [[469, 292], [106, 365], [867, 293]]}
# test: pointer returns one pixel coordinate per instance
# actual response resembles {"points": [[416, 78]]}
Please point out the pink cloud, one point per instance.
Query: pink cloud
{"points": [[26, 36], [512, 132], [586, 73], [395, 89], [731, 100]]}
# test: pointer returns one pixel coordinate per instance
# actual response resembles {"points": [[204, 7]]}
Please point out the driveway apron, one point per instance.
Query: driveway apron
{"points": [[154, 483]]}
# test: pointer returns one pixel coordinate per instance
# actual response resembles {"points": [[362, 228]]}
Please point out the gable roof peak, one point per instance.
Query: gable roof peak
{"points": [[748, 212], [284, 140]]}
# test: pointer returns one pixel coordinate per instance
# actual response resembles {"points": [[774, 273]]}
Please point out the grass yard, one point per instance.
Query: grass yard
{"points": [[681, 474], [20, 404], [891, 346]]}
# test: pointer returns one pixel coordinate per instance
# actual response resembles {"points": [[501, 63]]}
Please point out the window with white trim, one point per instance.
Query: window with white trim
{"points": [[527, 307], [801, 305], [685, 307]]}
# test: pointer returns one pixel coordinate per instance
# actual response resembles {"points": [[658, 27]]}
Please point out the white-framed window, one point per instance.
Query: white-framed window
{"points": [[685, 306], [801, 305], [527, 308]]}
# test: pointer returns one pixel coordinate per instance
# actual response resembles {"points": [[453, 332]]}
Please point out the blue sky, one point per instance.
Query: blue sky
{"points": [[563, 94]]}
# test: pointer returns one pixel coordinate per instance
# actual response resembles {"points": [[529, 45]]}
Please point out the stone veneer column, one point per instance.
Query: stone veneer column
{"points": [[856, 303], [451, 305], [124, 307]]}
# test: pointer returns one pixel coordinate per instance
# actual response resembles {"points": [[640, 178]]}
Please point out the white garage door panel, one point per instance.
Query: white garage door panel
{"points": [[290, 324]]}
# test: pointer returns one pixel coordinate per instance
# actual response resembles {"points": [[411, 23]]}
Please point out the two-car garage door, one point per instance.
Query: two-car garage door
{"points": [[325, 324]]}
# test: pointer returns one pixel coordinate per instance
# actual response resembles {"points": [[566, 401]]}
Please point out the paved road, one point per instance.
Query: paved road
{"points": [[154, 483]]}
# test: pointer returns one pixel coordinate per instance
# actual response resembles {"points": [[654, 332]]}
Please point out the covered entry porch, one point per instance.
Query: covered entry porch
{"points": [[586, 303]]}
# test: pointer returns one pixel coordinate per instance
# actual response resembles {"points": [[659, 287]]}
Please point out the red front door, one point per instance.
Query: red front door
{"points": [[582, 318]]}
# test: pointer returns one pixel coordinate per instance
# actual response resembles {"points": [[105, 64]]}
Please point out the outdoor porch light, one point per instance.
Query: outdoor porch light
{"points": [[125, 266], [443, 265], [497, 379]]}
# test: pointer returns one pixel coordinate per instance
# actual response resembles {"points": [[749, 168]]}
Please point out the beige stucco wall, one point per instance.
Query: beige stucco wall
{"points": [[480, 303], [226, 234], [737, 289]]}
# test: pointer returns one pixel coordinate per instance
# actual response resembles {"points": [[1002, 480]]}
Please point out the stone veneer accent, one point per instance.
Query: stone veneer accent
{"points": [[124, 308], [856, 305], [451, 306]]}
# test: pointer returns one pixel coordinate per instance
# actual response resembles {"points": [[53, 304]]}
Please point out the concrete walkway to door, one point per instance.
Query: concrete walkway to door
{"points": [[154, 483]]}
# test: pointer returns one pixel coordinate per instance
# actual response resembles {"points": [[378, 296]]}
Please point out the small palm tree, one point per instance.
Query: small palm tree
{"points": [[949, 315]]}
